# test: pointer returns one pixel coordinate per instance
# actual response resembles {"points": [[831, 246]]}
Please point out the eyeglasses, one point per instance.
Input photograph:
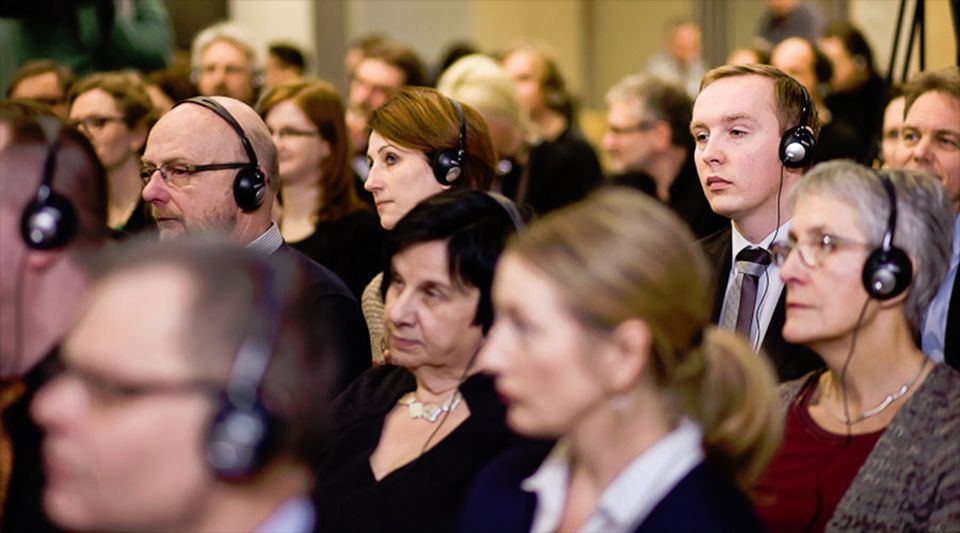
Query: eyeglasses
{"points": [[286, 133], [94, 122], [178, 174], [112, 390], [622, 130], [812, 251]]}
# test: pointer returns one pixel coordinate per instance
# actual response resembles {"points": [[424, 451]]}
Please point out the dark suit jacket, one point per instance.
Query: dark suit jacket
{"points": [[704, 500], [791, 361], [335, 318]]}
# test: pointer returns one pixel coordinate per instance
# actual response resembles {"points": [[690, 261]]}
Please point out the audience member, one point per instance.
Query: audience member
{"points": [[419, 429], [602, 340], [224, 63], [214, 423], [746, 56], [650, 148], [563, 167], [45, 170], [858, 93], [481, 82], [43, 81], [380, 73], [452, 53], [114, 111], [680, 62], [285, 64], [211, 166], [753, 142], [803, 61], [930, 142], [358, 49], [422, 143], [790, 18], [322, 215], [890, 131], [871, 441]]}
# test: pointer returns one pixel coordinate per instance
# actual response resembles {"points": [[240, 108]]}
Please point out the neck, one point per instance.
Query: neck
{"points": [[759, 224], [300, 199], [885, 357], [437, 383], [124, 188], [244, 507], [46, 313], [641, 424], [549, 124], [252, 225], [664, 169]]}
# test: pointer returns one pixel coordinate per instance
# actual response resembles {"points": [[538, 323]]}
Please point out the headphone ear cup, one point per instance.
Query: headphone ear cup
{"points": [[797, 147], [240, 440], [249, 188], [887, 273], [48, 222], [447, 167]]}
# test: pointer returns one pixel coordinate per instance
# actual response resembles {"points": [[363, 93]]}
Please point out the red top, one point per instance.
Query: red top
{"points": [[810, 472]]}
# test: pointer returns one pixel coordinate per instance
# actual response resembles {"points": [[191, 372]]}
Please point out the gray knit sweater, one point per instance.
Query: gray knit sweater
{"points": [[371, 303], [911, 479]]}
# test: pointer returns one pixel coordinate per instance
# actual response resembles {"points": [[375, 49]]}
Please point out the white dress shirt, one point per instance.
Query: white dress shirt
{"points": [[933, 329], [631, 496]]}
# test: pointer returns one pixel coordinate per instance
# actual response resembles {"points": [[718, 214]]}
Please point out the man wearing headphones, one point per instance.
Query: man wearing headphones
{"points": [[203, 412], [210, 166], [755, 132], [930, 142], [52, 214]]}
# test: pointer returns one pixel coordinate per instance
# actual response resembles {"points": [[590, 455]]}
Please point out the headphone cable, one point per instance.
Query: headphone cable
{"points": [[766, 273], [18, 316]]}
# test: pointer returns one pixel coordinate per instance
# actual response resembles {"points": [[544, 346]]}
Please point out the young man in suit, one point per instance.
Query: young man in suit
{"points": [[754, 129], [930, 142]]}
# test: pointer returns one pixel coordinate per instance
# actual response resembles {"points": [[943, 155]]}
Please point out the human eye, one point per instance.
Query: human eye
{"points": [[178, 170], [700, 137], [910, 136], [391, 159], [147, 171], [827, 243], [949, 142], [96, 122], [737, 132]]}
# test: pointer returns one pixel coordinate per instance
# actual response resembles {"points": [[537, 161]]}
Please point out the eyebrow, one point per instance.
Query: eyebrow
{"points": [[726, 119]]}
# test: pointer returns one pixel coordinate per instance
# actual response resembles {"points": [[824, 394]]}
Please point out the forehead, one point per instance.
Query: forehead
{"points": [[133, 325], [43, 84], [821, 213], [379, 72], [524, 62], [538, 290], [94, 100], [190, 131], [224, 51], [935, 110], [378, 141], [286, 111], [424, 260], [793, 53], [751, 96]]}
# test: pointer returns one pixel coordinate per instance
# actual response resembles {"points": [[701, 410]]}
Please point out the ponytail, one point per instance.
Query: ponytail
{"points": [[734, 398]]}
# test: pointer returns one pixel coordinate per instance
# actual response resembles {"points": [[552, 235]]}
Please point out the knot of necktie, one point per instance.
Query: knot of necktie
{"points": [[752, 261]]}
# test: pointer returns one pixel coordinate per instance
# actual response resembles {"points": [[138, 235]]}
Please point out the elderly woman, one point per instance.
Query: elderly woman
{"points": [[114, 111], [602, 340], [416, 138], [322, 215], [871, 441], [409, 438]]}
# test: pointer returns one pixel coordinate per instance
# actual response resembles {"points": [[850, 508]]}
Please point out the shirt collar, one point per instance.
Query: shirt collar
{"points": [[632, 495], [740, 242], [268, 241], [956, 238]]}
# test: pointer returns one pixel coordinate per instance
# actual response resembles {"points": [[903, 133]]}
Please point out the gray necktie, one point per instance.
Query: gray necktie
{"points": [[741, 297]]}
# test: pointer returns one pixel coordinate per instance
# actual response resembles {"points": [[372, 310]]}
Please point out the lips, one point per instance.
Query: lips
{"points": [[716, 183], [402, 344]]}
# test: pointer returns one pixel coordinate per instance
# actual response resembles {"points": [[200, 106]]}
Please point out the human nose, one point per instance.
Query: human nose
{"points": [[491, 358], [793, 266], [373, 182], [55, 404], [399, 308], [155, 190], [710, 151], [920, 152], [608, 142]]}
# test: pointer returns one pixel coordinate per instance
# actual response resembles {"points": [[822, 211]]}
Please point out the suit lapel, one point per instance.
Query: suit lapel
{"points": [[718, 247]]}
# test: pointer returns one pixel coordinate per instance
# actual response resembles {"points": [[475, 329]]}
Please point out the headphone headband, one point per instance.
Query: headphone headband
{"points": [[217, 107], [448, 164]]}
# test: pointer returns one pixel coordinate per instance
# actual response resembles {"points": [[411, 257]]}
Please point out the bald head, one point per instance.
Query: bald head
{"points": [[193, 134]]}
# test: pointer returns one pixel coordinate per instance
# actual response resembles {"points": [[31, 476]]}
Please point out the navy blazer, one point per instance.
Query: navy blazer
{"points": [[790, 361], [704, 500]]}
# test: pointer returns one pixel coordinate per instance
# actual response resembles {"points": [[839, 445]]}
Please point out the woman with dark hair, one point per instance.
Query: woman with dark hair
{"points": [[602, 340], [413, 139], [322, 215], [871, 441], [115, 112], [410, 436]]}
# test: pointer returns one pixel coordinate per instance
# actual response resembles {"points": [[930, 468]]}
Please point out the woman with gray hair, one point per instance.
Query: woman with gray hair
{"points": [[870, 442]]}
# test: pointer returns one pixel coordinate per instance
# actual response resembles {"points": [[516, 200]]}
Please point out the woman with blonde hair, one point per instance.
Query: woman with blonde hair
{"points": [[601, 340], [322, 215]]}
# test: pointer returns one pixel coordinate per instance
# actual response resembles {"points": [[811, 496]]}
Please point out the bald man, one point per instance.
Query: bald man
{"points": [[192, 165]]}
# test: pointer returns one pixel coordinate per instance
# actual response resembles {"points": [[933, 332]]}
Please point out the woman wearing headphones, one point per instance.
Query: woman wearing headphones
{"points": [[409, 437], [421, 143], [602, 340], [322, 215], [871, 442]]}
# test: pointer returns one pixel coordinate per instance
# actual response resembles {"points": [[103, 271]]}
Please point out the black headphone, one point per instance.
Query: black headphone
{"points": [[249, 187], [243, 434], [448, 164], [888, 270], [49, 221], [798, 143]]}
